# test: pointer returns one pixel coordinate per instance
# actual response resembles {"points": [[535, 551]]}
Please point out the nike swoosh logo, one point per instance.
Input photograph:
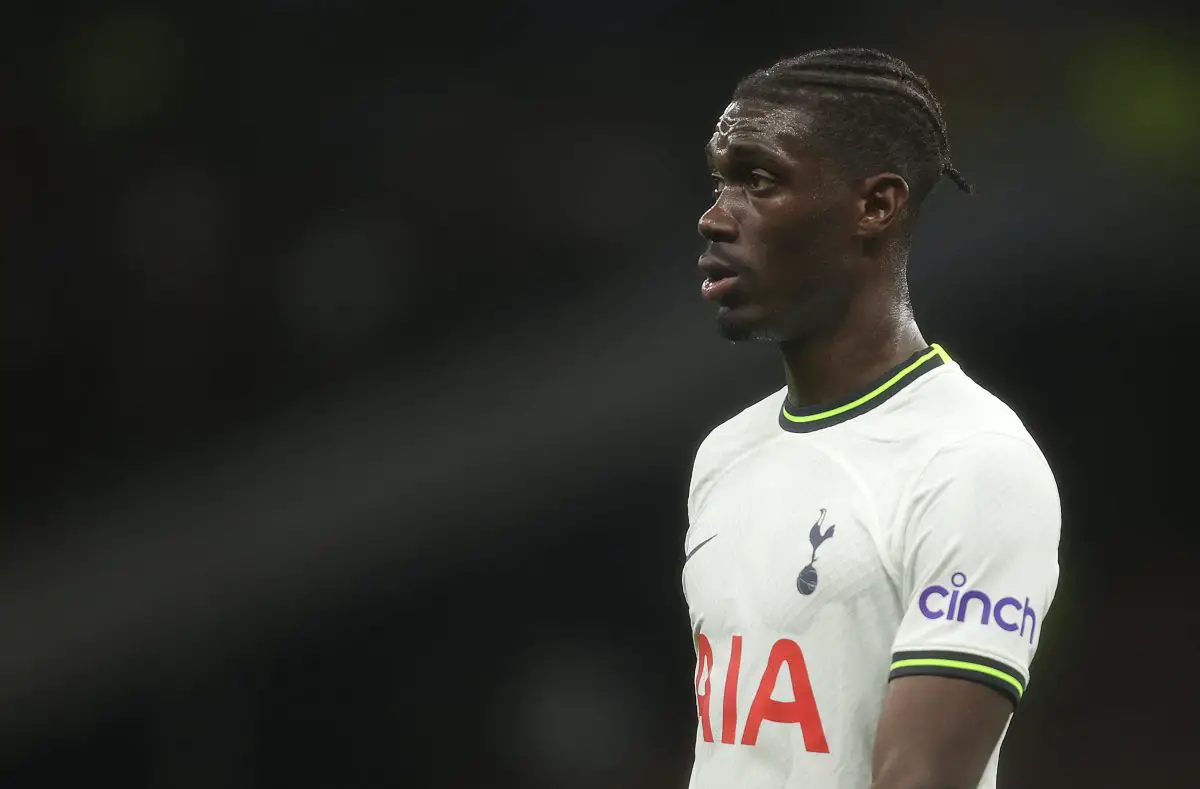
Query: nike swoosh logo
{"points": [[692, 552]]}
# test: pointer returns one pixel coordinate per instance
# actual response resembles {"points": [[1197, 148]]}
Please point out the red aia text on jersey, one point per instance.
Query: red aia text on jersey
{"points": [[802, 711]]}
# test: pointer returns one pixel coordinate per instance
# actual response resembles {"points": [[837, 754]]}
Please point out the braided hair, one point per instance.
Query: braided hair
{"points": [[871, 109]]}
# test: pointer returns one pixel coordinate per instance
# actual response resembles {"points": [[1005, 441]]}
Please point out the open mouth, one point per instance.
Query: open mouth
{"points": [[719, 278]]}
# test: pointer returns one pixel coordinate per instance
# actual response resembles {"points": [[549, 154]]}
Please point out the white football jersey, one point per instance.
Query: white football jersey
{"points": [[912, 528]]}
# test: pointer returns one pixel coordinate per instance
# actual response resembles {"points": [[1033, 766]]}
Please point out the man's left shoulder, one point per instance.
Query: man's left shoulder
{"points": [[962, 410]]}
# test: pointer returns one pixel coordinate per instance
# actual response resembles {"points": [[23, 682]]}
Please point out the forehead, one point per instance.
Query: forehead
{"points": [[784, 129]]}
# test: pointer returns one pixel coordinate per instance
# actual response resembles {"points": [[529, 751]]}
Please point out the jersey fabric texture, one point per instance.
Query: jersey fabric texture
{"points": [[912, 528]]}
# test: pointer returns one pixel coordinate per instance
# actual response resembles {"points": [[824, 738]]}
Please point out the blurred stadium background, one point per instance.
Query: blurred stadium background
{"points": [[353, 364]]}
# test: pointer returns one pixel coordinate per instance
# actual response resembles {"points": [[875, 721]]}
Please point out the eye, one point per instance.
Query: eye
{"points": [[718, 183], [759, 181]]}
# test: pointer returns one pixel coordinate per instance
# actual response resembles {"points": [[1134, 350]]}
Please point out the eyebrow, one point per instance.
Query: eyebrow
{"points": [[744, 148]]}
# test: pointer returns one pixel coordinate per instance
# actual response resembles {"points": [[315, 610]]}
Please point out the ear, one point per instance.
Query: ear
{"points": [[880, 203]]}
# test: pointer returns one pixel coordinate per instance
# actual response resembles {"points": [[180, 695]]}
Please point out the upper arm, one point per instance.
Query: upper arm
{"points": [[980, 568], [937, 733]]}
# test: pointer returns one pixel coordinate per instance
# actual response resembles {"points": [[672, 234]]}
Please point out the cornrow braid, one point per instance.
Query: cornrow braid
{"points": [[874, 111]]}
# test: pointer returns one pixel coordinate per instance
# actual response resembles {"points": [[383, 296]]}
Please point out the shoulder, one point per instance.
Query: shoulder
{"points": [[965, 449], [957, 416], [980, 457], [955, 403]]}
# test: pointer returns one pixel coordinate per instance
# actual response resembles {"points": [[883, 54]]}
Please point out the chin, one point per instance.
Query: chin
{"points": [[741, 325]]}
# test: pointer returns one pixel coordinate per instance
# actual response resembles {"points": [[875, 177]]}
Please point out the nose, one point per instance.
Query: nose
{"points": [[717, 225]]}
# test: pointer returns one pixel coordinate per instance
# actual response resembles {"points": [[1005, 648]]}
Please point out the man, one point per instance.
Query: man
{"points": [[872, 550]]}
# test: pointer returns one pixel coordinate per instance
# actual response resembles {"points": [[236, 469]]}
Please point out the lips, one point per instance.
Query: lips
{"points": [[715, 290], [720, 278], [715, 269]]}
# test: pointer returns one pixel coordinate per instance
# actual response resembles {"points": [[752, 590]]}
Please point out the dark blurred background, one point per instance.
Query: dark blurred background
{"points": [[353, 363]]}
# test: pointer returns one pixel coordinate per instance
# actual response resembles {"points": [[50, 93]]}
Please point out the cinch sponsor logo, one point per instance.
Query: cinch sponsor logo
{"points": [[1007, 613]]}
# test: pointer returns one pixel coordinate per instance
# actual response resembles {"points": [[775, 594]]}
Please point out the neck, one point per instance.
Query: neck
{"points": [[877, 333]]}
